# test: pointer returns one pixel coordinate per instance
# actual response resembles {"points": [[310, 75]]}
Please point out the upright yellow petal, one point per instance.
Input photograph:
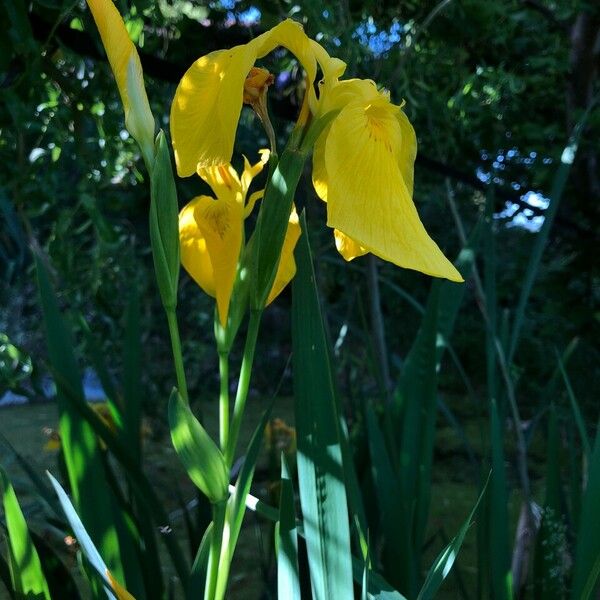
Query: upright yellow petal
{"points": [[287, 264], [194, 253], [127, 69], [221, 223], [206, 108], [367, 197]]}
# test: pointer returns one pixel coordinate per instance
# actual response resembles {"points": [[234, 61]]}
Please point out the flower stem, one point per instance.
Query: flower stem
{"points": [[219, 514], [243, 385], [177, 354], [224, 399]]}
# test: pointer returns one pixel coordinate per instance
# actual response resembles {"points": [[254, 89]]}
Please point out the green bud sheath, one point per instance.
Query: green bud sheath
{"points": [[164, 223]]}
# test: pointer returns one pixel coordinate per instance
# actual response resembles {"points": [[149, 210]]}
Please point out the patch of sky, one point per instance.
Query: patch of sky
{"points": [[525, 218], [378, 41]]}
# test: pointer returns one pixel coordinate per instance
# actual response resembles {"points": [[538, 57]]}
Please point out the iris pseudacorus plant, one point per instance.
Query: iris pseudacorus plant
{"points": [[363, 150]]}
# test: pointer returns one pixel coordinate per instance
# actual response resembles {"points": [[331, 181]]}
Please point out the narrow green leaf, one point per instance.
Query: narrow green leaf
{"points": [[320, 469], [551, 542], [83, 538], [199, 454], [399, 561], [541, 239], [132, 375], [288, 577], [416, 398], [27, 577], [586, 570], [443, 563], [497, 517], [579, 421], [144, 493], [237, 504], [197, 580], [79, 444]]}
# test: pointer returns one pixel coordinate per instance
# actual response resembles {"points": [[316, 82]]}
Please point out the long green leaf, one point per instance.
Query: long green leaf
{"points": [[320, 469], [541, 239], [132, 375], [551, 543], [288, 578], [80, 447], [237, 504], [577, 415], [27, 577], [144, 493], [586, 570], [83, 538], [398, 559], [497, 515], [416, 399], [443, 563]]}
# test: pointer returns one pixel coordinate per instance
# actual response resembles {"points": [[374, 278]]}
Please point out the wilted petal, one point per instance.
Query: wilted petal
{"points": [[367, 196]]}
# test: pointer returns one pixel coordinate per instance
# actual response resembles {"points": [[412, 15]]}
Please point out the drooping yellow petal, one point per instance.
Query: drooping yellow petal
{"points": [[221, 223], [208, 101], [206, 109], [367, 197], [194, 253], [120, 592], [287, 264], [127, 69]]}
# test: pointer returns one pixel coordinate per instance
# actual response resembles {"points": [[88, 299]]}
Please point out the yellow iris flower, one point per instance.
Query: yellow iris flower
{"points": [[362, 163], [127, 69], [211, 233]]}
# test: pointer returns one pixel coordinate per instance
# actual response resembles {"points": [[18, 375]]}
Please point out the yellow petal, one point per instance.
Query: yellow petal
{"points": [[208, 101], [287, 264], [251, 171], [367, 197], [127, 69], [223, 180], [120, 592], [221, 224], [194, 253], [348, 247], [290, 35], [206, 108]]}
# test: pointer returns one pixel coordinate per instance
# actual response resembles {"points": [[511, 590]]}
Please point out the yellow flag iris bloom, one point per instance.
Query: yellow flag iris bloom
{"points": [[363, 161], [127, 69], [211, 233]]}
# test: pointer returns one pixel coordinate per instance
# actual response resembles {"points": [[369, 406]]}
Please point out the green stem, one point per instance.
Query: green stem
{"points": [[219, 515], [243, 385], [177, 354], [224, 399]]}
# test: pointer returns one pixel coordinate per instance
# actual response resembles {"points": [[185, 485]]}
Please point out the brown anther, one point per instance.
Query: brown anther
{"points": [[255, 94], [257, 82]]}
